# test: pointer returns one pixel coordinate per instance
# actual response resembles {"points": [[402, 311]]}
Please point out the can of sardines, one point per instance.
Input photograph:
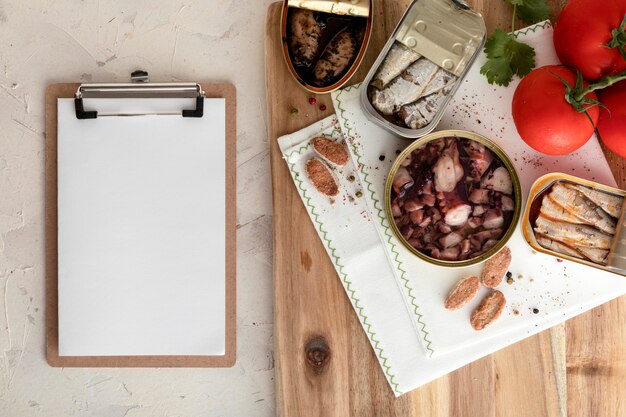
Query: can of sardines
{"points": [[453, 198], [578, 220], [324, 41], [422, 65]]}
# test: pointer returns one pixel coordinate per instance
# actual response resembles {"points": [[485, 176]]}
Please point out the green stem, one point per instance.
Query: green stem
{"points": [[619, 38], [513, 18], [602, 83]]}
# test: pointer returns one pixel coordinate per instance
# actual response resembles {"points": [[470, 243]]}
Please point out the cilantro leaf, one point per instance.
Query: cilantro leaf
{"points": [[521, 57], [495, 45], [506, 57], [533, 11], [498, 71]]}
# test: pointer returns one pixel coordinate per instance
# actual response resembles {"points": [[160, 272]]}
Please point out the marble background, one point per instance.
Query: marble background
{"points": [[45, 41]]}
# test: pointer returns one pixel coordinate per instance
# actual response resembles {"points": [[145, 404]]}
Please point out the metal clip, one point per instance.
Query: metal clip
{"points": [[139, 87]]}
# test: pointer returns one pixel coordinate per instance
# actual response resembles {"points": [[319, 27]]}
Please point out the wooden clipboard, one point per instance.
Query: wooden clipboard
{"points": [[68, 90]]}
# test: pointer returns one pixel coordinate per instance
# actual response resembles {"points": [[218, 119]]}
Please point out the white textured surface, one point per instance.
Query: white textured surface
{"points": [[44, 41]]}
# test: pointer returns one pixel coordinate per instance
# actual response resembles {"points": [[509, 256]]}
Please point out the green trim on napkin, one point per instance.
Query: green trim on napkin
{"points": [[383, 220], [380, 353]]}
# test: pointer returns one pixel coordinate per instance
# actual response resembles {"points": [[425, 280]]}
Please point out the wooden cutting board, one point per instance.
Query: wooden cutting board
{"points": [[324, 363]]}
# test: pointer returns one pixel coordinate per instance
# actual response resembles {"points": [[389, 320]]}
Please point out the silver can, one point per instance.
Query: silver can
{"points": [[422, 65]]}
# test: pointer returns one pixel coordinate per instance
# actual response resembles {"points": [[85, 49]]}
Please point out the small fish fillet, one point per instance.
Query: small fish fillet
{"points": [[442, 79], [406, 88], [335, 58], [579, 235], [554, 211], [305, 36], [580, 206], [591, 254], [397, 60], [612, 204], [595, 255], [556, 246], [421, 113]]}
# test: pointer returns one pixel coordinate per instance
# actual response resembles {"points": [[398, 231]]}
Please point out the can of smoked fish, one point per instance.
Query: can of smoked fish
{"points": [[453, 198], [578, 220], [324, 41], [422, 65]]}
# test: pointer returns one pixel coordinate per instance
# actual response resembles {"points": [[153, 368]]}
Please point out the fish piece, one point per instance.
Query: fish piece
{"points": [[610, 203], [580, 206], [595, 255], [448, 170], [397, 60], [463, 292], [442, 80], [589, 254], [305, 36], [556, 246], [331, 151], [422, 112], [336, 58], [406, 88], [554, 211], [322, 177], [498, 180], [579, 235]]}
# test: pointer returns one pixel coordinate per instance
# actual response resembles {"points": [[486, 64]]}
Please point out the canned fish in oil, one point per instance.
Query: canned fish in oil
{"points": [[578, 220], [324, 41], [422, 65]]}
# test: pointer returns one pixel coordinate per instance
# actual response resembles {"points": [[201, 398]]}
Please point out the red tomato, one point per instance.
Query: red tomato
{"points": [[612, 122], [543, 118], [582, 33]]}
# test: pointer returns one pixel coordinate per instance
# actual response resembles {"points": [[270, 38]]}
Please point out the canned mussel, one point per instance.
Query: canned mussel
{"points": [[453, 198], [324, 40], [578, 220], [422, 65]]}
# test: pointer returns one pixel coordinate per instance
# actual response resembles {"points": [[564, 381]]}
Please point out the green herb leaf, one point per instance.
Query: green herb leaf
{"points": [[521, 56], [506, 57], [531, 11], [498, 71]]}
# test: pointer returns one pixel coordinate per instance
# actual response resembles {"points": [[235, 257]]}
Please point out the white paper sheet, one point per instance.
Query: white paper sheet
{"points": [[141, 235]]}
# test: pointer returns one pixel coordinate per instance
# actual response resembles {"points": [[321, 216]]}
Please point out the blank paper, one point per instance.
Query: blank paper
{"points": [[141, 230]]}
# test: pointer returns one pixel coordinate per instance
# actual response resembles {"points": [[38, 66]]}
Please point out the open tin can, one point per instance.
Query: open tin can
{"points": [[595, 236], [468, 181], [324, 41], [422, 65]]}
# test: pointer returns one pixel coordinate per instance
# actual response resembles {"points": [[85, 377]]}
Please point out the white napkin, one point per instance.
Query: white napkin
{"points": [[415, 339], [351, 240]]}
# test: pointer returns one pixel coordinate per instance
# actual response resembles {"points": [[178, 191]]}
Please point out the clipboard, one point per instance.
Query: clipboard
{"points": [[138, 89]]}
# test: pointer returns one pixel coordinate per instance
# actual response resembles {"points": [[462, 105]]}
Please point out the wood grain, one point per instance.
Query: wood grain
{"points": [[324, 363]]}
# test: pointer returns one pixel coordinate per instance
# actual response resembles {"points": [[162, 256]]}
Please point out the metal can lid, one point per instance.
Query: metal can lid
{"points": [[447, 32]]}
